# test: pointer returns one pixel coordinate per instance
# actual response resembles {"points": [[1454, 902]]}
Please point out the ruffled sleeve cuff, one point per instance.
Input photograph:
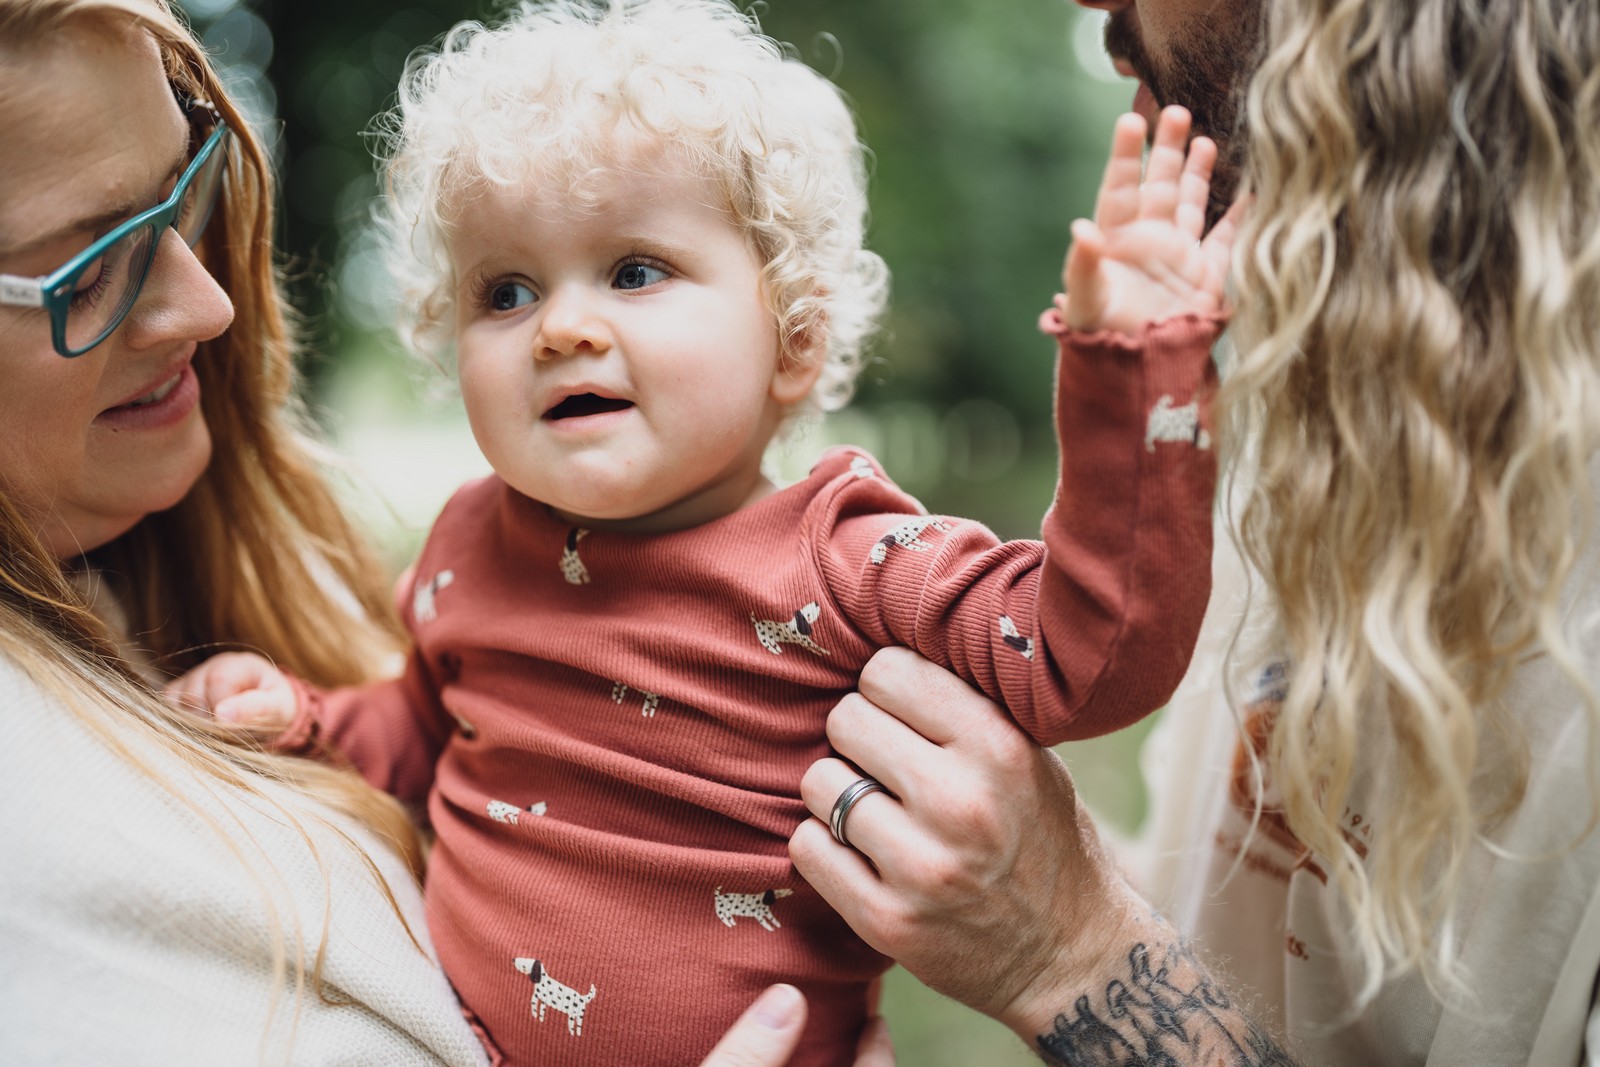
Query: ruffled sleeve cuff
{"points": [[303, 735], [1180, 331]]}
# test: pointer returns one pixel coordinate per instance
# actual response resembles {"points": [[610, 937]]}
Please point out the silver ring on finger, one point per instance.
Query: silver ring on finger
{"points": [[848, 799]]}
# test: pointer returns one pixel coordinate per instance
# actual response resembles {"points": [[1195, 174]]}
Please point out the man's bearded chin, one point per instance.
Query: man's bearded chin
{"points": [[1209, 79]]}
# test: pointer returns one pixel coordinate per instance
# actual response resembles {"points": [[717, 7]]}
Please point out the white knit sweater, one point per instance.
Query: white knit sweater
{"points": [[131, 934]]}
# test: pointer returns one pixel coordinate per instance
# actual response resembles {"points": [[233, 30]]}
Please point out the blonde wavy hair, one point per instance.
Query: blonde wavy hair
{"points": [[1416, 386], [546, 94], [257, 555]]}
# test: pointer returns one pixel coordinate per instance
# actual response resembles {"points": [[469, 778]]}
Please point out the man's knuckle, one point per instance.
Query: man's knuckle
{"points": [[881, 922], [803, 837], [846, 712], [886, 670], [812, 780], [934, 871], [1009, 746], [807, 845]]}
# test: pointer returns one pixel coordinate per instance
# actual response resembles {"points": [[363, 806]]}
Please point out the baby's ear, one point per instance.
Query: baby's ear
{"points": [[800, 363]]}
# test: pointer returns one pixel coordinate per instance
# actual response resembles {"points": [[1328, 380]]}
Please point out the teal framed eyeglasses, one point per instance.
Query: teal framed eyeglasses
{"points": [[90, 294]]}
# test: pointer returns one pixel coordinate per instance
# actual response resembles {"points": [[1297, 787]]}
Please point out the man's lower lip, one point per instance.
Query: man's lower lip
{"points": [[1144, 103], [169, 410]]}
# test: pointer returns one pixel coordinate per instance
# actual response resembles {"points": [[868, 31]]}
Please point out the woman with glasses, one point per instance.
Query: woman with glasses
{"points": [[162, 884], [169, 893]]}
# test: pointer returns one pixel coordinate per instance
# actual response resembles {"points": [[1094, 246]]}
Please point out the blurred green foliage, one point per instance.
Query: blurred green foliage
{"points": [[987, 129]]}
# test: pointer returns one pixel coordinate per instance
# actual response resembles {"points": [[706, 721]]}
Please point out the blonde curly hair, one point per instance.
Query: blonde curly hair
{"points": [[1416, 385], [547, 92]]}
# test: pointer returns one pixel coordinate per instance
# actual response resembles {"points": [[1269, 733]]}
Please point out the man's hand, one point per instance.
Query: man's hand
{"points": [[978, 870], [982, 874]]}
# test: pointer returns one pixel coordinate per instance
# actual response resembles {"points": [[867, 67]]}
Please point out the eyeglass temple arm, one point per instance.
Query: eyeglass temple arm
{"points": [[24, 292], [18, 291]]}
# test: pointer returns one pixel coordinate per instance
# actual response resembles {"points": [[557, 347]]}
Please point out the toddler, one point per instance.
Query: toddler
{"points": [[639, 228]]}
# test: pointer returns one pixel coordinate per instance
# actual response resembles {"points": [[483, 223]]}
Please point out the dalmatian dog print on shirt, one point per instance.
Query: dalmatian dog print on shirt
{"points": [[1009, 634], [908, 536], [649, 701], [757, 906], [500, 811], [547, 992], [423, 606], [1180, 425], [572, 568], [797, 631]]}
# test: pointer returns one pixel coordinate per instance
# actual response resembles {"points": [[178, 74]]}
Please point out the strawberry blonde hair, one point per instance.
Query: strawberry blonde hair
{"points": [[257, 554]]}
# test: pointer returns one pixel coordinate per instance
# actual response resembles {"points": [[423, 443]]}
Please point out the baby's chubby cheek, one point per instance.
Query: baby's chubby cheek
{"points": [[503, 434]]}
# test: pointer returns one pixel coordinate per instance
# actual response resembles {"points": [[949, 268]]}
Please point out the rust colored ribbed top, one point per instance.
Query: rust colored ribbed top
{"points": [[610, 729]]}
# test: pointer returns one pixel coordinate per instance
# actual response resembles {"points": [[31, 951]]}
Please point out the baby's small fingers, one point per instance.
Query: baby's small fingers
{"points": [[1159, 197], [1218, 244], [236, 672], [1083, 258], [1118, 203], [257, 709], [187, 691], [1082, 277], [1194, 187]]}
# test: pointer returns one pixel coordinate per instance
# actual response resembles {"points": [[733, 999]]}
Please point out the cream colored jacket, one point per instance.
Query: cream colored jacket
{"points": [[131, 934]]}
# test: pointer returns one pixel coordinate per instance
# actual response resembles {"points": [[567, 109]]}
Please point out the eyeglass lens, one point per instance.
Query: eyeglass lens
{"points": [[106, 290], [108, 287]]}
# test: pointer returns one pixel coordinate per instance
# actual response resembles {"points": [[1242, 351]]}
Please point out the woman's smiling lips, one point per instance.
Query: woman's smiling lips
{"points": [[163, 403]]}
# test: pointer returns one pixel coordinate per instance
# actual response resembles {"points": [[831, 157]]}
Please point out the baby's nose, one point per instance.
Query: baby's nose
{"points": [[572, 324]]}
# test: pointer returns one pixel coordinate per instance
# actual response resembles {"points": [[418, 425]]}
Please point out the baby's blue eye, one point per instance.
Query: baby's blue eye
{"points": [[510, 295], [638, 275]]}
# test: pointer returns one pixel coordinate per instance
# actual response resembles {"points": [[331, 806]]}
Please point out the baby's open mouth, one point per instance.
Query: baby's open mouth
{"points": [[586, 404]]}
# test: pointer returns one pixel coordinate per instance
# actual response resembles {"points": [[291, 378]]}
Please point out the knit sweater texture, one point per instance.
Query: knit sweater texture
{"points": [[610, 730], [133, 934]]}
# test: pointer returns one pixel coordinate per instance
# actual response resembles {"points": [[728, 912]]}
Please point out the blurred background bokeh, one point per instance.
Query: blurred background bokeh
{"points": [[988, 124]]}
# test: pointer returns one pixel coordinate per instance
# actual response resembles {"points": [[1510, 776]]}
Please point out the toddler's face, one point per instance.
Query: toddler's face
{"points": [[618, 361]]}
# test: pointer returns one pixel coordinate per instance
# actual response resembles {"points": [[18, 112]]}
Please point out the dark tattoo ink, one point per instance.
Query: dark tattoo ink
{"points": [[1161, 1014]]}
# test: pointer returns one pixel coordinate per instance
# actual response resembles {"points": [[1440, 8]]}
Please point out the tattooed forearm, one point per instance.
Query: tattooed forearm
{"points": [[1165, 1012]]}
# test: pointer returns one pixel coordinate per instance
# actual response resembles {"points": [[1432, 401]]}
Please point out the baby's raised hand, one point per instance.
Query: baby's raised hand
{"points": [[1142, 258], [239, 688]]}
